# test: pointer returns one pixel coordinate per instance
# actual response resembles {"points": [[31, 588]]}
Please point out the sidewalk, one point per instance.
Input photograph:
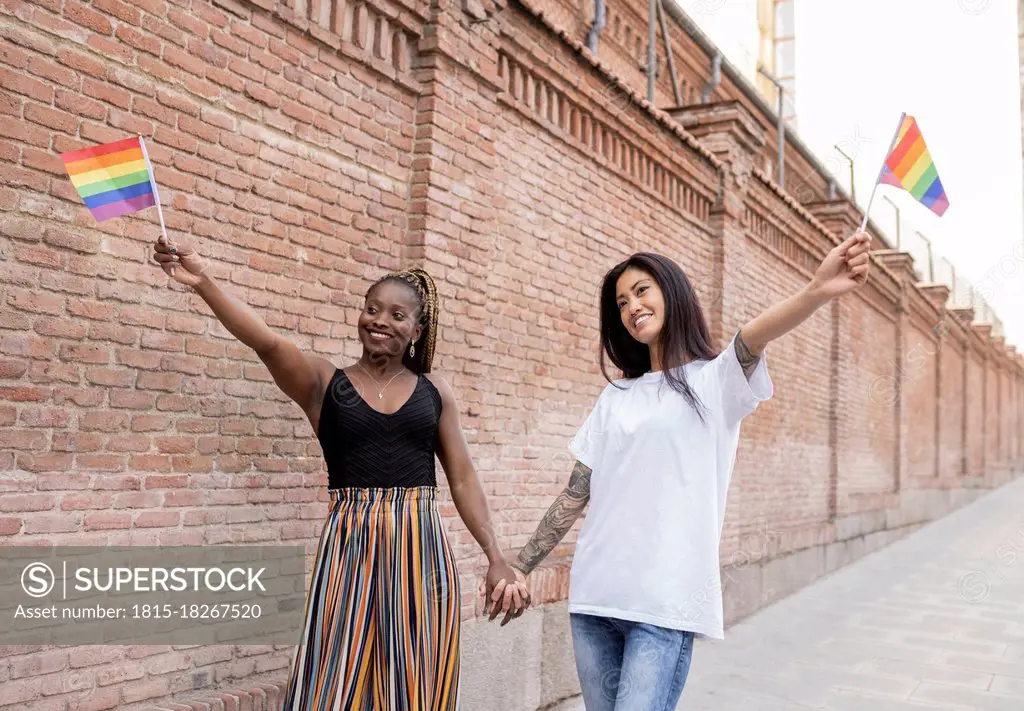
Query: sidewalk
{"points": [[934, 621]]}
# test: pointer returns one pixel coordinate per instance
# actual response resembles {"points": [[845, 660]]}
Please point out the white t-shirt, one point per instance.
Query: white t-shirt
{"points": [[649, 547]]}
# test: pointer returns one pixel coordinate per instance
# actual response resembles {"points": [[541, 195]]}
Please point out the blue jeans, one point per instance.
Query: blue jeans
{"points": [[629, 666]]}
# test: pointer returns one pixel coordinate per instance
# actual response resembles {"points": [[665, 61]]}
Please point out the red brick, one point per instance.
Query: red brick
{"points": [[132, 400], [51, 118], [90, 309], [171, 382], [81, 63], [139, 40], [230, 43], [101, 462], [31, 87], [86, 17], [111, 49], [44, 417], [246, 69], [59, 328], [178, 102], [153, 110], [76, 442], [115, 96], [23, 503], [107, 520], [12, 369], [135, 316], [251, 35], [210, 54], [113, 332], [103, 422], [137, 359], [120, 10], [183, 60], [60, 523], [157, 519], [85, 354], [85, 501], [150, 462], [35, 302], [110, 377], [174, 481], [225, 79], [26, 133], [42, 463], [79, 105], [13, 56], [39, 256], [130, 123]]}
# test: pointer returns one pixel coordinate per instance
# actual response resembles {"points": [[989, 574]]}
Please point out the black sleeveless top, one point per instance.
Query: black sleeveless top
{"points": [[366, 448]]}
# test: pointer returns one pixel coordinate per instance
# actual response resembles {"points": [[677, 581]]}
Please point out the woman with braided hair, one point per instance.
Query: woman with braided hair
{"points": [[381, 628]]}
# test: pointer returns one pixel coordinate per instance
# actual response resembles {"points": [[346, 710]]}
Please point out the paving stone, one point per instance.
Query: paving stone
{"points": [[901, 629], [984, 700], [854, 701]]}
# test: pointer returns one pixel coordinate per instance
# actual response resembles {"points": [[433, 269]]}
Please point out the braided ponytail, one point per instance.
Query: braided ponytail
{"points": [[423, 285]]}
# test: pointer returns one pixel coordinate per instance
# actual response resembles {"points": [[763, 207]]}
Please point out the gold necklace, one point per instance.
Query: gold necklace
{"points": [[380, 391]]}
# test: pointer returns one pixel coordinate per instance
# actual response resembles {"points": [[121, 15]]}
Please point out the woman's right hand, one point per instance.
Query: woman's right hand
{"points": [[180, 261]]}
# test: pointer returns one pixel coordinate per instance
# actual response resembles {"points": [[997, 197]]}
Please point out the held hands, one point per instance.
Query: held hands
{"points": [[180, 261], [844, 268], [500, 595]]}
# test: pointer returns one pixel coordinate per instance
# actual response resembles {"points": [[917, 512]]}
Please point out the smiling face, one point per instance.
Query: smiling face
{"points": [[389, 319], [641, 305]]}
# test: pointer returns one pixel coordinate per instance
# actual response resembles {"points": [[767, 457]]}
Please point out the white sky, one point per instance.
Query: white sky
{"points": [[953, 65]]}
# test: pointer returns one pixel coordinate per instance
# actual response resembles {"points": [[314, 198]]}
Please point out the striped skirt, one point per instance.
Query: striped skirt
{"points": [[381, 628]]}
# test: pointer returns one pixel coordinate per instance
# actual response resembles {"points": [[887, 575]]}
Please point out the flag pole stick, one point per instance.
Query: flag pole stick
{"points": [[895, 135], [156, 192]]}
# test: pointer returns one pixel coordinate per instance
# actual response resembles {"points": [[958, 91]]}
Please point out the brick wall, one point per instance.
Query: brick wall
{"points": [[309, 146]]}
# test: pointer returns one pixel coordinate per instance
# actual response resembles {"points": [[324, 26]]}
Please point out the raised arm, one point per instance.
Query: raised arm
{"points": [[844, 269], [471, 503], [560, 517], [301, 377]]}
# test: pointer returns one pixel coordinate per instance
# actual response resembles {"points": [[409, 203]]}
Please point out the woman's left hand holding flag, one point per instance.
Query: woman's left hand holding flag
{"points": [[180, 261]]}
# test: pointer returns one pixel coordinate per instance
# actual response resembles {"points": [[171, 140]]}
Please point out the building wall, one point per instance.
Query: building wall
{"points": [[309, 147]]}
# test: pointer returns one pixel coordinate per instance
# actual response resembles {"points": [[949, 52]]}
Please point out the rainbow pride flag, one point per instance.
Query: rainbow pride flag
{"points": [[113, 179], [909, 166]]}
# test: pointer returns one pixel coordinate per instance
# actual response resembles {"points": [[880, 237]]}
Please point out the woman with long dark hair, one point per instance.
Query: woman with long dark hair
{"points": [[381, 628], [654, 461]]}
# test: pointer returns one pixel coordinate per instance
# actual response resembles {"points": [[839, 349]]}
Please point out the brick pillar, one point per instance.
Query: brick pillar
{"points": [[983, 332], [938, 295], [901, 264], [732, 134], [964, 317], [840, 218], [452, 212], [997, 363]]}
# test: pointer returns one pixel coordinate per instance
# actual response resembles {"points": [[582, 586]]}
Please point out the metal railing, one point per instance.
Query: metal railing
{"points": [[931, 268]]}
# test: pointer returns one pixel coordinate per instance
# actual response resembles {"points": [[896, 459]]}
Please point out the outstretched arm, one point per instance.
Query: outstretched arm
{"points": [[300, 377], [559, 518], [471, 503], [844, 269]]}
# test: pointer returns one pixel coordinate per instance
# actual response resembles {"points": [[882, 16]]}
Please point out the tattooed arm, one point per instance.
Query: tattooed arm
{"points": [[747, 359], [560, 517], [842, 270]]}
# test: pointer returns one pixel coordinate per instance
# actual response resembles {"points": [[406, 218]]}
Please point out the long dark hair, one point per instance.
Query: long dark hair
{"points": [[684, 333], [423, 286]]}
